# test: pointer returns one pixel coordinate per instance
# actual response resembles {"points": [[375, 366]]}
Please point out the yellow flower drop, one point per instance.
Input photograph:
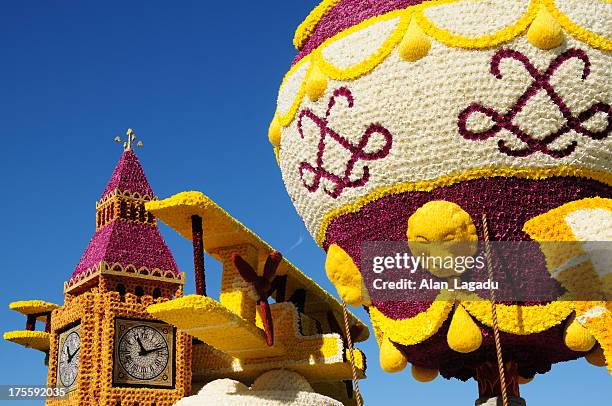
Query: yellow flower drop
{"points": [[274, 132], [424, 374], [577, 338], [596, 357], [415, 44], [316, 84], [464, 335], [545, 32], [346, 277], [391, 358]]}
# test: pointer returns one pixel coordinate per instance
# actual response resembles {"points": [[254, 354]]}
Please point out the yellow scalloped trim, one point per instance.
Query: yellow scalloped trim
{"points": [[521, 320], [374, 59], [416, 329], [514, 319], [287, 118], [486, 41], [447, 180], [441, 35], [576, 31], [307, 27]]}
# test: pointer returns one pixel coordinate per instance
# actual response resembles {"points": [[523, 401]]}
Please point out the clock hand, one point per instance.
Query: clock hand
{"points": [[152, 350], [142, 348]]}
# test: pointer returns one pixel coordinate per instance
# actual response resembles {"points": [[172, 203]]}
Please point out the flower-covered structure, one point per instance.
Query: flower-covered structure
{"points": [[410, 119], [126, 237], [127, 335]]}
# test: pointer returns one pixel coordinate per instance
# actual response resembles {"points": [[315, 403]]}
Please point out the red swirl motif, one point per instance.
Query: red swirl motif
{"points": [[541, 80], [357, 152]]}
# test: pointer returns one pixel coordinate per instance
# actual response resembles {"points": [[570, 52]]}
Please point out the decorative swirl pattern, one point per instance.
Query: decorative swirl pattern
{"points": [[541, 81], [358, 152]]}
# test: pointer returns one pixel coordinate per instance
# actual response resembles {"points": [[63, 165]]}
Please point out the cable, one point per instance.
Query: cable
{"points": [[498, 350], [349, 342]]}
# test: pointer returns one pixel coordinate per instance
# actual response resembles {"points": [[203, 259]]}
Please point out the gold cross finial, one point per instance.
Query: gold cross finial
{"points": [[127, 144]]}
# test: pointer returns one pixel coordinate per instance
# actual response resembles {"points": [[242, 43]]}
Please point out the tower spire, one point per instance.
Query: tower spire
{"points": [[126, 236], [127, 144]]}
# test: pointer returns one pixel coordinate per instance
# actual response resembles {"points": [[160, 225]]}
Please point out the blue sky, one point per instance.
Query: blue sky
{"points": [[197, 81]]}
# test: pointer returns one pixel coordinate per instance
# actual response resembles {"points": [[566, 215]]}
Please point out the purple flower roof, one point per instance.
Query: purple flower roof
{"points": [[124, 241], [128, 176], [128, 243]]}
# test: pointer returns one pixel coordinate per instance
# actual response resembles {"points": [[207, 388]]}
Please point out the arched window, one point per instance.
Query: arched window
{"points": [[157, 293]]}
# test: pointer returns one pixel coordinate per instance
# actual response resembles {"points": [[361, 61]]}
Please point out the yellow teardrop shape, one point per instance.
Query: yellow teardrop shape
{"points": [[596, 357], [391, 358], [545, 32], [424, 374], [463, 336], [577, 337], [415, 43], [346, 277], [274, 132], [316, 84]]}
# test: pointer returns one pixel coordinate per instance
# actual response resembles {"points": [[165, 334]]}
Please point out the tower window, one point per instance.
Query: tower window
{"points": [[123, 209], [141, 213], [139, 291], [157, 293], [121, 289]]}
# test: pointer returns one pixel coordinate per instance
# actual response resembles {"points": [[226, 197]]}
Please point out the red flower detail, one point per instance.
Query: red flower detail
{"points": [[263, 287], [357, 152], [541, 80]]}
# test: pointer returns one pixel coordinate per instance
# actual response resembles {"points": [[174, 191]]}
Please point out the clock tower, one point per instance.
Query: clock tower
{"points": [[105, 349]]}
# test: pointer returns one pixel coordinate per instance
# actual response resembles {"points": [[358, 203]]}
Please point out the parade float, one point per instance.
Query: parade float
{"points": [[127, 334], [458, 121], [401, 120]]}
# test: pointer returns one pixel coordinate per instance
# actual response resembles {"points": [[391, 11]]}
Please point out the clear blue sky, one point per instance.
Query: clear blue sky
{"points": [[197, 80]]}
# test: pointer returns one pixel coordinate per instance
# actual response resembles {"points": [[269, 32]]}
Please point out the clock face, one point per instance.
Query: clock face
{"points": [[144, 353], [69, 354]]}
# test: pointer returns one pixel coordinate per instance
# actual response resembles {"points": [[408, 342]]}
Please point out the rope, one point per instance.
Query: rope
{"points": [[349, 341], [498, 350]]}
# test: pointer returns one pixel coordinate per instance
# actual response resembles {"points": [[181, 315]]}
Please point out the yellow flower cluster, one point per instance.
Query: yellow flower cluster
{"points": [[521, 320], [416, 329], [39, 340], [33, 306], [596, 317]]}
